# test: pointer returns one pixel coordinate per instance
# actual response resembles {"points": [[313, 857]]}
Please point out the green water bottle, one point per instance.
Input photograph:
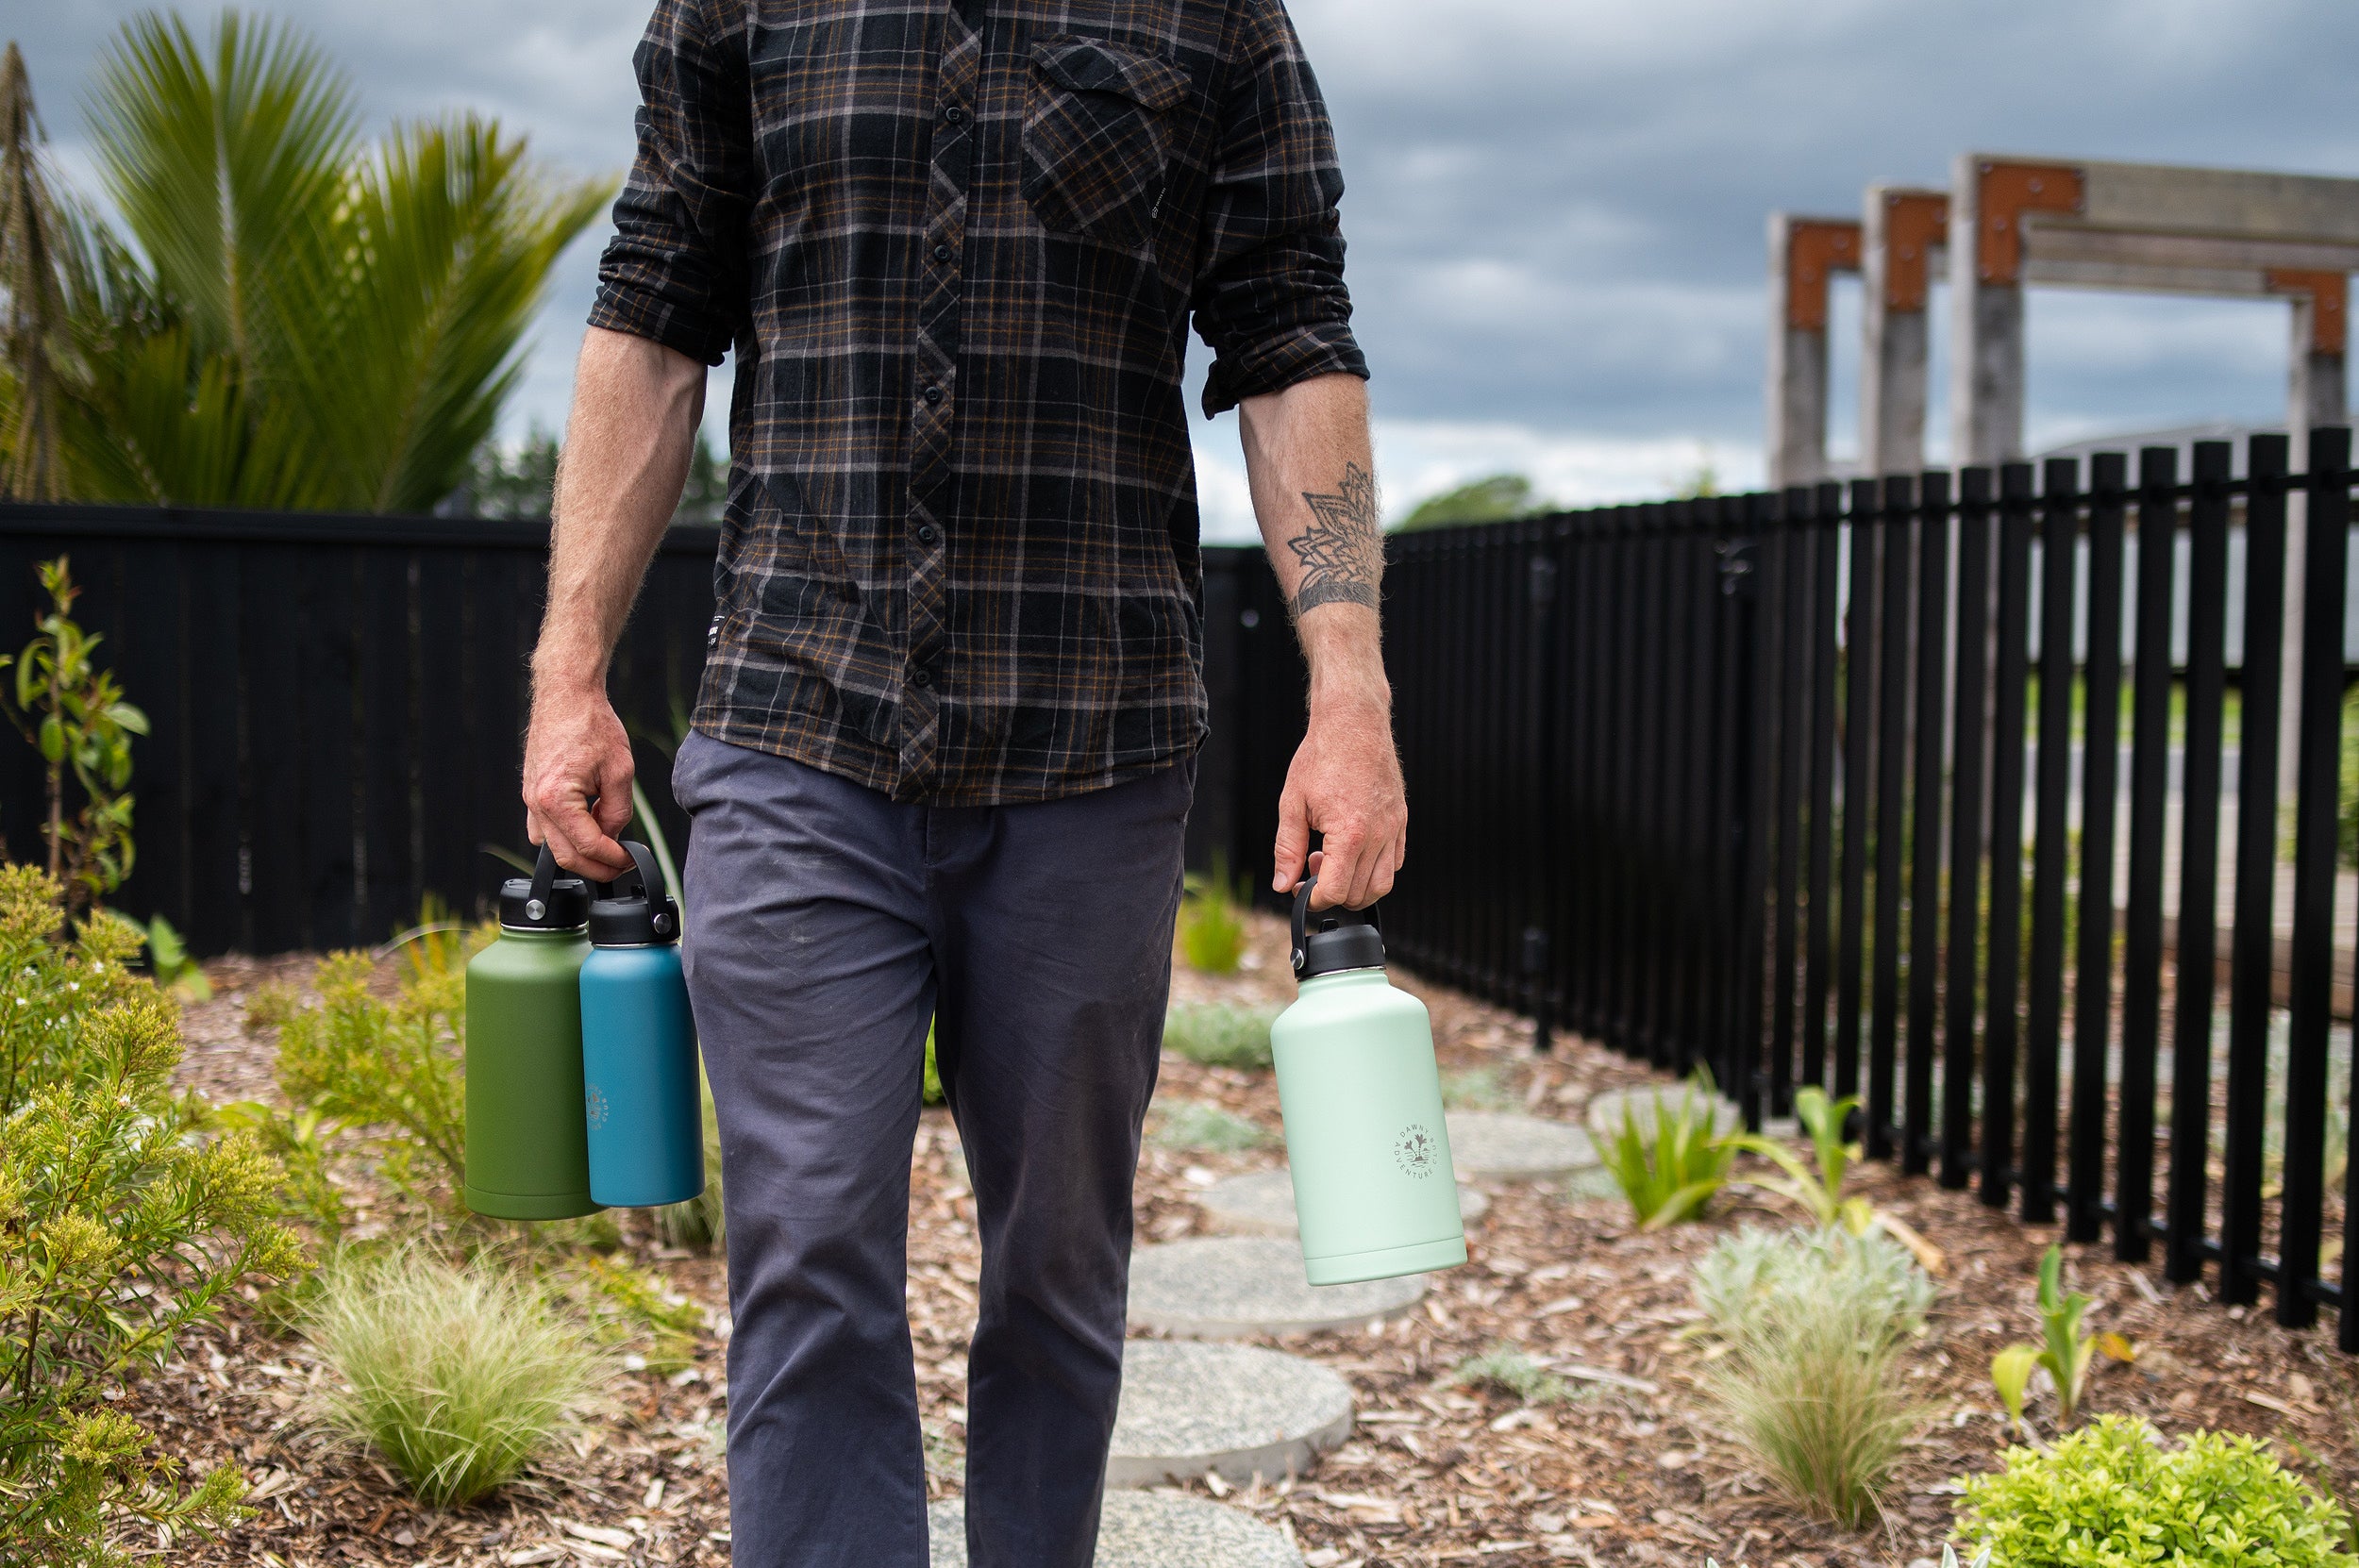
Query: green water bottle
{"points": [[528, 1141], [1362, 1097]]}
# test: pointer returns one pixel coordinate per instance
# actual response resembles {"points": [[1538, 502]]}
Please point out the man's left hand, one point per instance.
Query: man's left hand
{"points": [[1345, 783]]}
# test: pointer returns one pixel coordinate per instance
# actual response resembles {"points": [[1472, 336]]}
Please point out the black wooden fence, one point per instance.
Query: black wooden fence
{"points": [[1812, 788]]}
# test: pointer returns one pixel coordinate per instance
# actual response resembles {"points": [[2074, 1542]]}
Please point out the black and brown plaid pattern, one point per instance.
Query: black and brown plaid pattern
{"points": [[957, 245]]}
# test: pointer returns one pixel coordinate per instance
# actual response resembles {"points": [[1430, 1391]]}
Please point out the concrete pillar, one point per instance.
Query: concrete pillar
{"points": [[1803, 253], [1902, 249], [1988, 199]]}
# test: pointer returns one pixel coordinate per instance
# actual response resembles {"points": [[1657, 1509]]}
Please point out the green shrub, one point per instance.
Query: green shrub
{"points": [[1216, 1034], [2111, 1494], [72, 713], [121, 1228], [1476, 1089], [458, 1374], [1507, 1367], [1870, 1273], [1809, 1380], [1196, 1124], [1211, 921], [1670, 1172]]}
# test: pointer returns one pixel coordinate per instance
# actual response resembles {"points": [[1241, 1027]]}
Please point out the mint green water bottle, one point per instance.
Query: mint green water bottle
{"points": [[1362, 1097]]}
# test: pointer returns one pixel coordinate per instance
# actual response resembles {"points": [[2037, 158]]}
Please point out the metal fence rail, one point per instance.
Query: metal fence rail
{"points": [[1859, 785]]}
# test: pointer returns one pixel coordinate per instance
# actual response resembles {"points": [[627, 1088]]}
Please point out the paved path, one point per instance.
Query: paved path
{"points": [[1494, 1146], [1147, 1529], [1234, 1287], [1190, 1408], [1262, 1203]]}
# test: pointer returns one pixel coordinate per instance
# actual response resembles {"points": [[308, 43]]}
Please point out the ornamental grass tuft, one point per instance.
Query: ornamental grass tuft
{"points": [[460, 1375], [1809, 1377], [2112, 1492], [1199, 1125]]}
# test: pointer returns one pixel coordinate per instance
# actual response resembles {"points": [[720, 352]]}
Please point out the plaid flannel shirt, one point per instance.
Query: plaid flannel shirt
{"points": [[956, 245]]}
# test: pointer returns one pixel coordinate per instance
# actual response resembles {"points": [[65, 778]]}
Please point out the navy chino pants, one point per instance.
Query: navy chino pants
{"points": [[829, 925]]}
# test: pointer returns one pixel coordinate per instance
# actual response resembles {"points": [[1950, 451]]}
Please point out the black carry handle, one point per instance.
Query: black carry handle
{"points": [[642, 867], [543, 878], [1336, 916]]}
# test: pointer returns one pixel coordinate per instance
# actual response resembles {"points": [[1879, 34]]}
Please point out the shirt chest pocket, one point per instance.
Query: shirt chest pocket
{"points": [[1097, 137]]}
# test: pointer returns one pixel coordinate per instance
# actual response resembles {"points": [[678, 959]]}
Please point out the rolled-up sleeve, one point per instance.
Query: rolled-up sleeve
{"points": [[678, 266], [1269, 295]]}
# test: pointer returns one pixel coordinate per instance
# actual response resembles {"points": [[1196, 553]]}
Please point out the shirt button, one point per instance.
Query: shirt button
{"points": [[921, 677], [927, 533], [954, 114], [933, 394], [942, 252]]}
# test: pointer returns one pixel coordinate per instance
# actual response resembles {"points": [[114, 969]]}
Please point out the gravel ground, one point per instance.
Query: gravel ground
{"points": [[1632, 1471]]}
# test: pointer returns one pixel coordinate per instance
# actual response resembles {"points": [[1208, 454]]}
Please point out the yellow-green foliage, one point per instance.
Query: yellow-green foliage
{"points": [[458, 1375], [2065, 1353], [1212, 922], [387, 1074], [1216, 1034], [121, 1228], [2111, 1496], [1671, 1169]]}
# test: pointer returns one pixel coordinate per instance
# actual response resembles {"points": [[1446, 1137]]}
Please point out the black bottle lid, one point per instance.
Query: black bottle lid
{"points": [[548, 900], [643, 916], [1327, 940]]}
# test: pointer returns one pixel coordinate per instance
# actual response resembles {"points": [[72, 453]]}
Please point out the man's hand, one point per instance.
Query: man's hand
{"points": [[1344, 782], [577, 773], [636, 405], [1306, 455]]}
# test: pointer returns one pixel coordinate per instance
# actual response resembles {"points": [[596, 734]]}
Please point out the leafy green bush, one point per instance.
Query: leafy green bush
{"points": [[1870, 1273], [121, 1228], [1507, 1367], [1670, 1176], [1196, 1124], [1216, 1034], [1211, 921], [1810, 1378], [458, 1374], [2111, 1494], [72, 713]]}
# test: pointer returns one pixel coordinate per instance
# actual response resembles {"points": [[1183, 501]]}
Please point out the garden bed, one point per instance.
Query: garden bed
{"points": [[1632, 1469]]}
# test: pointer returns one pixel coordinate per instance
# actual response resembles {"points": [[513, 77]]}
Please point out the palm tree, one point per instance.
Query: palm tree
{"points": [[293, 319], [30, 272]]}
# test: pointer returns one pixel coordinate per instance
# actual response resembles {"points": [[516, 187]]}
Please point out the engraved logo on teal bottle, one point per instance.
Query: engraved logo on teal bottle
{"points": [[593, 1106]]}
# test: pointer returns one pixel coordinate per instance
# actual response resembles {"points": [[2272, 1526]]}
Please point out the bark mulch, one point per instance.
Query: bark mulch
{"points": [[1634, 1469]]}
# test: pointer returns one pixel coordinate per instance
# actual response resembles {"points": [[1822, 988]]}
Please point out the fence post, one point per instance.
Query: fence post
{"points": [[2252, 954], [2002, 1022], [2317, 770], [2085, 1217], [1961, 974], [1755, 696], [1932, 695]]}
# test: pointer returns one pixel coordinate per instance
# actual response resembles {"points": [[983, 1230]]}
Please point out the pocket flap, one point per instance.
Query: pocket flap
{"points": [[1094, 65]]}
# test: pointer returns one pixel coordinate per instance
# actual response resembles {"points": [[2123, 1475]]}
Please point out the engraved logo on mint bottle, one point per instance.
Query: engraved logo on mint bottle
{"points": [[1413, 1151]]}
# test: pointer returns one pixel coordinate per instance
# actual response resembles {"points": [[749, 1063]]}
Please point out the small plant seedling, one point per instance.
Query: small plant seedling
{"points": [[1211, 921], [1216, 1034], [1671, 1176], [1508, 1368], [1818, 1188], [2065, 1353]]}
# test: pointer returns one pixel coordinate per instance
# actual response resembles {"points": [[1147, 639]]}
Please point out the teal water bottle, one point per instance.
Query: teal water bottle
{"points": [[1362, 1097], [639, 1047], [526, 1155]]}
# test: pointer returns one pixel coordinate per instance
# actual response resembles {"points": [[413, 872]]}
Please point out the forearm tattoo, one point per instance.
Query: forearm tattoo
{"points": [[1343, 551]]}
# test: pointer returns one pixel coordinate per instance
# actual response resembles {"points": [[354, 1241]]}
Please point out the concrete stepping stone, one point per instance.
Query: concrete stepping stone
{"points": [[1144, 1529], [1230, 1287], [1496, 1145], [1189, 1408], [1262, 1203]]}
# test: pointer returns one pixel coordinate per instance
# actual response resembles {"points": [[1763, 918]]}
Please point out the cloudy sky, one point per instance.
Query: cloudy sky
{"points": [[1556, 207]]}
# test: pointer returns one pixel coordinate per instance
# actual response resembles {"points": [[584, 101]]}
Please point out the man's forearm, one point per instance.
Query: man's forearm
{"points": [[627, 445], [1306, 454]]}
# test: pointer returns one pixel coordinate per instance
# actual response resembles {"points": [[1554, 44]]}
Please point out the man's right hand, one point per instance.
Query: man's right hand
{"points": [[577, 773]]}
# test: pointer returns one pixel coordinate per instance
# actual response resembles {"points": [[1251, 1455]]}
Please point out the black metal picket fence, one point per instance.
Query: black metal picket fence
{"points": [[1856, 785], [338, 706]]}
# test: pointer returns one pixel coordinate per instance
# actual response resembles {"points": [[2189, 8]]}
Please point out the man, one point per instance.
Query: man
{"points": [[944, 744]]}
